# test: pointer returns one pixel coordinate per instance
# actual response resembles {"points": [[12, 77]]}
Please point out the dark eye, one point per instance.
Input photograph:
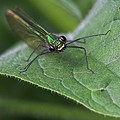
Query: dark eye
{"points": [[52, 48], [63, 38]]}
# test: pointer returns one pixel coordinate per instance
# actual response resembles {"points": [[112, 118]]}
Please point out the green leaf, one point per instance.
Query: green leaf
{"points": [[66, 73]]}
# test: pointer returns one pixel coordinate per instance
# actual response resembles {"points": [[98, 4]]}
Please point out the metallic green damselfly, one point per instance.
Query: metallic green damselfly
{"points": [[38, 38]]}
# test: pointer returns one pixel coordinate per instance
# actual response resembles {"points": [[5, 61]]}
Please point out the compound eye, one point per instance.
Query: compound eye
{"points": [[63, 38], [52, 48]]}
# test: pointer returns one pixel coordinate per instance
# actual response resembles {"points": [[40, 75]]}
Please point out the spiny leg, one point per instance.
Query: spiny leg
{"points": [[76, 40], [34, 52], [28, 65], [85, 52]]}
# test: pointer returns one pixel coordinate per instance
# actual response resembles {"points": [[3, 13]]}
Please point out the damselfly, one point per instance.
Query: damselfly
{"points": [[39, 39]]}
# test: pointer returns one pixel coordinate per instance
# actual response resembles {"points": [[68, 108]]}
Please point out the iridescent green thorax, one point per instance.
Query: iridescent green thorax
{"points": [[53, 40]]}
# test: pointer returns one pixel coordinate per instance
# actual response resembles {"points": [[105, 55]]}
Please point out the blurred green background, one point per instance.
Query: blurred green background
{"points": [[21, 100]]}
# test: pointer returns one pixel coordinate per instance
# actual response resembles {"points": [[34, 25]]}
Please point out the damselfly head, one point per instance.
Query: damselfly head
{"points": [[63, 39]]}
